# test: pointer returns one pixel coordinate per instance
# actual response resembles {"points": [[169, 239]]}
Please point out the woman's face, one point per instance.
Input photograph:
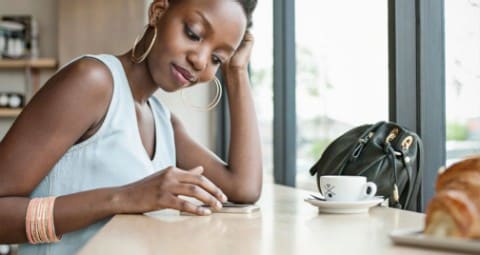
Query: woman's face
{"points": [[194, 38]]}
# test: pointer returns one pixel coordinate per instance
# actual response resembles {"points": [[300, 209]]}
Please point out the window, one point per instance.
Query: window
{"points": [[262, 80], [342, 73], [462, 78]]}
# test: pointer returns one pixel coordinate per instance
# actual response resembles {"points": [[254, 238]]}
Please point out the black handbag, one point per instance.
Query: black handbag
{"points": [[386, 153]]}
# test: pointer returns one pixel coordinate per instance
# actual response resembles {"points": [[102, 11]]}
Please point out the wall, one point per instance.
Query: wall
{"points": [[198, 124], [45, 11]]}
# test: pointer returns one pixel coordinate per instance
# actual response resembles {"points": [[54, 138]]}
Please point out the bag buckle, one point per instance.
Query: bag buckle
{"points": [[393, 134], [406, 143]]}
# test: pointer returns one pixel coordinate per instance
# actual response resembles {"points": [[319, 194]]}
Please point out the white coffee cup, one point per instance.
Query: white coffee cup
{"points": [[345, 188]]}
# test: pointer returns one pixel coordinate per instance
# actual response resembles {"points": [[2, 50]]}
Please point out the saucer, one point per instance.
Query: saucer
{"points": [[344, 207]]}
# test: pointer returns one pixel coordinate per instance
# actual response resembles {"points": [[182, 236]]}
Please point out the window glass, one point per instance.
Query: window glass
{"points": [[342, 73], [261, 65], [462, 78]]}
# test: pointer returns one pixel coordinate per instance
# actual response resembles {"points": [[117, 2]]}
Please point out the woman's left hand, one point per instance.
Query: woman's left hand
{"points": [[241, 57]]}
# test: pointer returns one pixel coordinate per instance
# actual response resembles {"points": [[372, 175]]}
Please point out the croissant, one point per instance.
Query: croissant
{"points": [[454, 211]]}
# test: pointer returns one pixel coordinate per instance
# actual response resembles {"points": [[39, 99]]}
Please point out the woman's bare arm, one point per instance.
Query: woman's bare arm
{"points": [[241, 178], [72, 212], [70, 104]]}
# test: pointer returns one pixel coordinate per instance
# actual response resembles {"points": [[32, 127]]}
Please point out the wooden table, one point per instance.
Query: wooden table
{"points": [[285, 225]]}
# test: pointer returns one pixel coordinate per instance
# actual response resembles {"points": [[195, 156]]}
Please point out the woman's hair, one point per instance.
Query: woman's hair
{"points": [[248, 7]]}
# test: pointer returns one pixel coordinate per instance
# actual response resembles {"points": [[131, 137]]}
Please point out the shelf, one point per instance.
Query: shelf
{"points": [[32, 69], [33, 63], [9, 112]]}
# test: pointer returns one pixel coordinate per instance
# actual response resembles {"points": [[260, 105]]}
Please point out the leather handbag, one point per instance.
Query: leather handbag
{"points": [[386, 153]]}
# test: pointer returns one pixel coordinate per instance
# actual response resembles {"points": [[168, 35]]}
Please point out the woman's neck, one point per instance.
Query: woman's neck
{"points": [[139, 78]]}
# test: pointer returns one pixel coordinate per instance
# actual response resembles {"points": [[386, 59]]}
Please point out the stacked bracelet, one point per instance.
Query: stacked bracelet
{"points": [[39, 222]]}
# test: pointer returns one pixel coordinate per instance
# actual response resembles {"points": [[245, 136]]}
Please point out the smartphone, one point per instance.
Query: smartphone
{"points": [[235, 208]]}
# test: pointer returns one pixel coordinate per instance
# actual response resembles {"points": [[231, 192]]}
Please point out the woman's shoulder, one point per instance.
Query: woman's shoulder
{"points": [[85, 74], [88, 69], [83, 85]]}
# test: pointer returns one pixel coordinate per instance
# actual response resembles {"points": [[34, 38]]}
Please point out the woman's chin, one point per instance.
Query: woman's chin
{"points": [[172, 88], [168, 86]]}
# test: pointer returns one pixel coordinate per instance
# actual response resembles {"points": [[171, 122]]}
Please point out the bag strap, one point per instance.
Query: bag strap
{"points": [[391, 156], [416, 187], [411, 181]]}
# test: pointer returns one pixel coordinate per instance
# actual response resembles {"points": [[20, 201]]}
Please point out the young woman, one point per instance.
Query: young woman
{"points": [[94, 142]]}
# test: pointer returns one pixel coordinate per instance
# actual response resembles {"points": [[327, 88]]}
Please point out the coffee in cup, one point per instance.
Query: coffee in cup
{"points": [[344, 188]]}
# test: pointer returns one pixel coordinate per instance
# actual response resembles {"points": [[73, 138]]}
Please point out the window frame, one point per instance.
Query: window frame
{"points": [[417, 79]]}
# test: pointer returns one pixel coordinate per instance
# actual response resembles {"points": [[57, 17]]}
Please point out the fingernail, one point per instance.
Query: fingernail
{"points": [[224, 198], [206, 211], [219, 205]]}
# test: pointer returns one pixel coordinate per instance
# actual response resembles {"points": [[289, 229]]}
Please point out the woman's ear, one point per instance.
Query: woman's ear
{"points": [[156, 10]]}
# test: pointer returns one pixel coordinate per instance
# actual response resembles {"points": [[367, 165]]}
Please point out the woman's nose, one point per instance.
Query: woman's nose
{"points": [[198, 59]]}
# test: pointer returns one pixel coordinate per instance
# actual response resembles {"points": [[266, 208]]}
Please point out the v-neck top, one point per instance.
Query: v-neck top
{"points": [[113, 156]]}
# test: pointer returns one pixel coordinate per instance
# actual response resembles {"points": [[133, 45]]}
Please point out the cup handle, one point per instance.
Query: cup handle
{"points": [[373, 189]]}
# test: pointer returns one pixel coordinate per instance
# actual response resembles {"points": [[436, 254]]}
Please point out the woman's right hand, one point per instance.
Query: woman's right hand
{"points": [[161, 191]]}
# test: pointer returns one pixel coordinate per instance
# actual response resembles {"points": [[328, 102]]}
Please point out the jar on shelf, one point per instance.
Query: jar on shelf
{"points": [[15, 100], [4, 249], [11, 100], [15, 46], [3, 100]]}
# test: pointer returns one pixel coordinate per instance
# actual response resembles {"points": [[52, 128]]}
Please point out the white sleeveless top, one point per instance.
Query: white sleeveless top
{"points": [[113, 156]]}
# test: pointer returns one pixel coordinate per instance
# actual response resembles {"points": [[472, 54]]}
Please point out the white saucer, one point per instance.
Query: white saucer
{"points": [[344, 207]]}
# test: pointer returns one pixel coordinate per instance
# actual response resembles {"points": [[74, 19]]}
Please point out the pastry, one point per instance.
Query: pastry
{"points": [[454, 211]]}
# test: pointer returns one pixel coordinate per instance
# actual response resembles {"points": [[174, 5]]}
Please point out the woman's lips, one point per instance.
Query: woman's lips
{"points": [[181, 76]]}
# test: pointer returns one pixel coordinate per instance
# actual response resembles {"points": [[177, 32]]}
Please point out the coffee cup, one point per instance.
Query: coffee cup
{"points": [[344, 188]]}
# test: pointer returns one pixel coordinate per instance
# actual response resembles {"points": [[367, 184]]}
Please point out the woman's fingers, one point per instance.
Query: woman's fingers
{"points": [[185, 206], [173, 182], [202, 181], [241, 56], [196, 170], [197, 192]]}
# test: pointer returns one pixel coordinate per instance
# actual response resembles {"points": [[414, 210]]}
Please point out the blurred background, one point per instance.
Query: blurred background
{"points": [[341, 67]]}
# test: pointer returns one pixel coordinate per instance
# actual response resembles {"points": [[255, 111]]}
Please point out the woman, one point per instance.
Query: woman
{"points": [[94, 142]]}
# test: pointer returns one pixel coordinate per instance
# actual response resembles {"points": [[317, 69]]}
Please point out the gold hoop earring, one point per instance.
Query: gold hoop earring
{"points": [[211, 105], [136, 59]]}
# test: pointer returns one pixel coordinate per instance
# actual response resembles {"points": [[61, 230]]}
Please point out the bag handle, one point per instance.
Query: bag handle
{"points": [[357, 149], [363, 138]]}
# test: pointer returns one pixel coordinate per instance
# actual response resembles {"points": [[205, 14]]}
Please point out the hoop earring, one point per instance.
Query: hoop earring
{"points": [[136, 59], [211, 105]]}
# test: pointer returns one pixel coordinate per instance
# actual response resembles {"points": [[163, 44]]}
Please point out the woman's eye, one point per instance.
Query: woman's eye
{"points": [[192, 35], [216, 60]]}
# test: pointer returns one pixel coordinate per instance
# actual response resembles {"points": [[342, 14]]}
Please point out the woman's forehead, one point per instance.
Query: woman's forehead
{"points": [[225, 17]]}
